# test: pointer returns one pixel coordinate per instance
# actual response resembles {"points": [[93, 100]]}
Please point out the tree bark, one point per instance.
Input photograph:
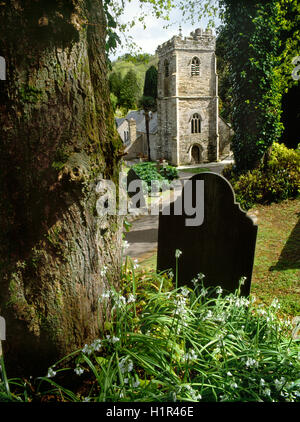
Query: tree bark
{"points": [[58, 139]]}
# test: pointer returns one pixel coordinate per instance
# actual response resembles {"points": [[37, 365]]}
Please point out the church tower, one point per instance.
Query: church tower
{"points": [[188, 99]]}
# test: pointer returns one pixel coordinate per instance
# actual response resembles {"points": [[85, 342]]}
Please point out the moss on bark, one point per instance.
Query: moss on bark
{"points": [[57, 139]]}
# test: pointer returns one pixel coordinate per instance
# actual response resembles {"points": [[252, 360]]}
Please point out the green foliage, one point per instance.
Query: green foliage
{"points": [[253, 56], [274, 181], [151, 172], [161, 344], [169, 172], [150, 85], [129, 91]]}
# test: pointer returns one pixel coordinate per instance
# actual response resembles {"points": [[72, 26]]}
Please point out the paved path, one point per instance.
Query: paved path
{"points": [[142, 237]]}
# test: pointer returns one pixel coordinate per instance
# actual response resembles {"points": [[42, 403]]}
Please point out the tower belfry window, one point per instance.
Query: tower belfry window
{"points": [[196, 123], [195, 66], [167, 70]]}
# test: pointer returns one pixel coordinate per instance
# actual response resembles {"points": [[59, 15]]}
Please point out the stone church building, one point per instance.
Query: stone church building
{"points": [[189, 129]]}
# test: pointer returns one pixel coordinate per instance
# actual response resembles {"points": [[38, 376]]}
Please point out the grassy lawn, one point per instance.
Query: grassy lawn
{"points": [[276, 270], [195, 170]]}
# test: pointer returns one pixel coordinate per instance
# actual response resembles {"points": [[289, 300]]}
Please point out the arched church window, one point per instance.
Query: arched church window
{"points": [[195, 66], [196, 123], [166, 67]]}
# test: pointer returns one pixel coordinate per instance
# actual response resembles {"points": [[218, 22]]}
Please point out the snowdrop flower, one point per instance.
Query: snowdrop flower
{"points": [[87, 350], [251, 362], [96, 345], [78, 370], [185, 291], [171, 274], [279, 383], [190, 355], [267, 392], [135, 265], [178, 253], [136, 384], [125, 365], [203, 292], [229, 374], [262, 382], [51, 373], [219, 290], [131, 298], [233, 385], [275, 304], [112, 339], [106, 295]]}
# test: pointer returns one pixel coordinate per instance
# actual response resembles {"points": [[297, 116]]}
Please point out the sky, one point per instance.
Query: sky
{"points": [[155, 34]]}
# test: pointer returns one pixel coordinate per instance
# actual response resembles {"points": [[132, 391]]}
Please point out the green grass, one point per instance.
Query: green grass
{"points": [[195, 170], [276, 271]]}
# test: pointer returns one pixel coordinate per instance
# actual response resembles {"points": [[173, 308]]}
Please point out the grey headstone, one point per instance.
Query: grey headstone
{"points": [[138, 189], [222, 247]]}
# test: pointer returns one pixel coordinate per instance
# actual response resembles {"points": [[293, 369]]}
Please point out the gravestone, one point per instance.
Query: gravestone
{"points": [[222, 247], [135, 187]]}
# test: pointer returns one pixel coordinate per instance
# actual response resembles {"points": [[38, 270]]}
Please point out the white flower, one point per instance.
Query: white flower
{"points": [[219, 290], [87, 350], [135, 265], [96, 345], [103, 271], [200, 276], [177, 253], [171, 274], [125, 380], [262, 382], [78, 370], [229, 374], [131, 298], [106, 295], [233, 385], [267, 392], [251, 362], [136, 384], [203, 292], [279, 383], [125, 365], [112, 339], [190, 355], [185, 291], [51, 373]]}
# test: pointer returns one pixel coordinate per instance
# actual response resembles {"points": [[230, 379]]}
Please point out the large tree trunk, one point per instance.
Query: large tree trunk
{"points": [[57, 141]]}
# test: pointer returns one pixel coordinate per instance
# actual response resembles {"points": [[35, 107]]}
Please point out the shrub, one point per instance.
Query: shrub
{"points": [[279, 179], [150, 173]]}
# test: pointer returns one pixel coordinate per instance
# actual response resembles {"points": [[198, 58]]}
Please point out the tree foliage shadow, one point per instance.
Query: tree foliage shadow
{"points": [[290, 254]]}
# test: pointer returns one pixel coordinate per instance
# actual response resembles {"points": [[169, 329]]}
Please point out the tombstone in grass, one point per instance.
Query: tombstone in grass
{"points": [[221, 246], [135, 190]]}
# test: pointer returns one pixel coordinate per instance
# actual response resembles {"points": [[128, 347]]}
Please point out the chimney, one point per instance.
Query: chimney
{"points": [[132, 130]]}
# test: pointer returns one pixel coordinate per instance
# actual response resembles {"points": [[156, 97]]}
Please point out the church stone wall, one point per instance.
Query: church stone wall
{"points": [[181, 94]]}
